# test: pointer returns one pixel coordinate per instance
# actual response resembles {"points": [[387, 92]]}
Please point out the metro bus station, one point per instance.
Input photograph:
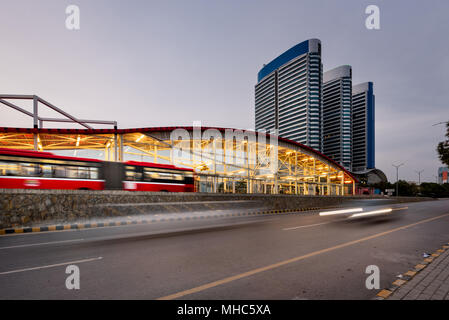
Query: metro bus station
{"points": [[224, 160]]}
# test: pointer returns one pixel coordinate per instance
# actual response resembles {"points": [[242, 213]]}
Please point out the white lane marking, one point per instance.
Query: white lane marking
{"points": [[51, 265], [39, 244], [307, 226], [313, 225]]}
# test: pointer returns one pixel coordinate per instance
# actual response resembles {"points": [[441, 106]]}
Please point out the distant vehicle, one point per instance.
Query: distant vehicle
{"points": [[44, 170]]}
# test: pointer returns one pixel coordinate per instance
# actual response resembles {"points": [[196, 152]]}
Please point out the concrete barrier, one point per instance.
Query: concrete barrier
{"points": [[39, 207]]}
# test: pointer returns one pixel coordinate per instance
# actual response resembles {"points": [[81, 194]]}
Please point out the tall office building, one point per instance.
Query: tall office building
{"points": [[289, 94], [336, 115], [363, 109]]}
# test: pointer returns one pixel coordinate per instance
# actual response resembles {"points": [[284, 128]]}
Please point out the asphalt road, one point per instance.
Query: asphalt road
{"points": [[292, 256]]}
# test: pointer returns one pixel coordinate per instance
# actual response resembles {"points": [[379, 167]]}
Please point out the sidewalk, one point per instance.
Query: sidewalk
{"points": [[428, 281]]}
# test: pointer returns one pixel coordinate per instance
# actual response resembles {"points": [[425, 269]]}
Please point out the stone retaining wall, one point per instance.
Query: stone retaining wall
{"points": [[37, 207]]}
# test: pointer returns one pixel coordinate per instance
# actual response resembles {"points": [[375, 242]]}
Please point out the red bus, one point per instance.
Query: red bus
{"points": [[44, 170], [145, 176]]}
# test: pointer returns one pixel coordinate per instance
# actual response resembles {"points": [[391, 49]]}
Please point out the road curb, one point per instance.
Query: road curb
{"points": [[410, 274], [78, 226]]}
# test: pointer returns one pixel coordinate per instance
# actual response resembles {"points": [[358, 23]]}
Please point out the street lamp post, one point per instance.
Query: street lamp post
{"points": [[397, 177], [419, 176]]}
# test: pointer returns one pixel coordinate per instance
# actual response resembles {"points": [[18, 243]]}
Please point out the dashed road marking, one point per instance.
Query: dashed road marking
{"points": [[51, 266]]}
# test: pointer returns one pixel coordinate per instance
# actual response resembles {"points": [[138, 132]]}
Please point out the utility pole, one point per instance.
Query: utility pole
{"points": [[397, 177], [419, 176]]}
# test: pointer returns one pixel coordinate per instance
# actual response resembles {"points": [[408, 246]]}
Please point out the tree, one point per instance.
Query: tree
{"points": [[407, 189], [443, 148], [431, 189]]}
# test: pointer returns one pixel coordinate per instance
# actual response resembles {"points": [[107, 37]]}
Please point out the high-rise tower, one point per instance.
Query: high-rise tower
{"points": [[336, 115], [289, 94], [363, 111]]}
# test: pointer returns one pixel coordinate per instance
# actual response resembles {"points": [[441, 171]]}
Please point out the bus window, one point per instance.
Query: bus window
{"points": [[44, 170], [83, 173], [28, 169], [132, 174], [72, 172], [178, 177], [93, 173], [158, 176], [148, 175], [59, 171], [9, 169]]}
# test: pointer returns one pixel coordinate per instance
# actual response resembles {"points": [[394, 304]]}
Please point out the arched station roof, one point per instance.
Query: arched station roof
{"points": [[51, 131]]}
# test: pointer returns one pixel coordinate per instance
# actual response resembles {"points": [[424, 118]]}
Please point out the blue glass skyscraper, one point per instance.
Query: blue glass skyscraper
{"points": [[288, 94], [363, 112], [337, 115]]}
